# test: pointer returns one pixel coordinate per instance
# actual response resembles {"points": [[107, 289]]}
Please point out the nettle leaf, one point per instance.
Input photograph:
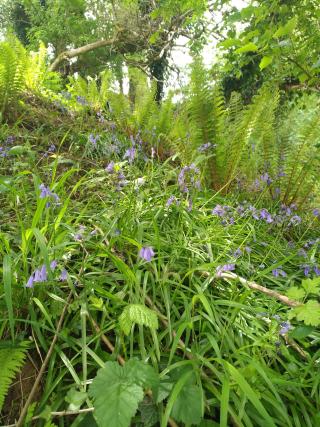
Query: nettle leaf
{"points": [[140, 314], [296, 293], [308, 313], [188, 407], [116, 396], [249, 47], [311, 286]]}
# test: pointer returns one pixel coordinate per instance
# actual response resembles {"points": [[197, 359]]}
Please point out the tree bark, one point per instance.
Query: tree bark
{"points": [[72, 53]]}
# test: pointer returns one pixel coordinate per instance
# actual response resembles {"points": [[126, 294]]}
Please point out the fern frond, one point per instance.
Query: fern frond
{"points": [[11, 360]]}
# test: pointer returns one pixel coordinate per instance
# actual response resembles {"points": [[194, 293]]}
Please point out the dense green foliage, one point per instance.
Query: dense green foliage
{"points": [[160, 261]]}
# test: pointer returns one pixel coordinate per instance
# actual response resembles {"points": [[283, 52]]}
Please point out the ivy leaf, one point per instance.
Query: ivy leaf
{"points": [[265, 61], [188, 407], [115, 395], [311, 286], [308, 313], [296, 293], [140, 314], [249, 47]]}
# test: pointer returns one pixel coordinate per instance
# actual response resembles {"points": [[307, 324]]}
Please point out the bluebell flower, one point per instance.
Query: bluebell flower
{"points": [[316, 270], [130, 154], [52, 148], [81, 100], [279, 272], [316, 212], [223, 268], [237, 253], [295, 220], [172, 199], [63, 276], [285, 328], [45, 191], [53, 265], [30, 281], [110, 167], [146, 253], [205, 147], [219, 211], [302, 253], [266, 178], [93, 139]]}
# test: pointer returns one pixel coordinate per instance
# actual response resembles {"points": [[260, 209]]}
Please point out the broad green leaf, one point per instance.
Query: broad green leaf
{"points": [[142, 374], [296, 293], [249, 47], [265, 61], [116, 397], [311, 286], [308, 313], [229, 43], [301, 332], [140, 314], [286, 29], [188, 407]]}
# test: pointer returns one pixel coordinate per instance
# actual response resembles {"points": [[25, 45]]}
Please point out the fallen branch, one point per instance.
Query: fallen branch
{"points": [[252, 285]]}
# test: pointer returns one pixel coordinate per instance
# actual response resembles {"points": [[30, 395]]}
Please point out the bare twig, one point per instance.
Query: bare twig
{"points": [[44, 365]]}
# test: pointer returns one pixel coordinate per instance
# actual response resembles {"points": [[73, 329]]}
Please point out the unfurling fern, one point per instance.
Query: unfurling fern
{"points": [[140, 314], [11, 360]]}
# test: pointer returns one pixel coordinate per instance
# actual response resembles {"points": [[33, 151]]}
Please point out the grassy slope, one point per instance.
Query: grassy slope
{"points": [[237, 354]]}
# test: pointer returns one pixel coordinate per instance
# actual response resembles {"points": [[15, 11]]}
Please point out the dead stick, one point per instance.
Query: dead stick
{"points": [[44, 365], [252, 285]]}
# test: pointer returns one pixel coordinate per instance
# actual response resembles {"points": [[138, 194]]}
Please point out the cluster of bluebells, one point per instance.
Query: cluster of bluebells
{"points": [[40, 275], [117, 175], [286, 216], [225, 213], [308, 270], [6, 145], [189, 178], [46, 193]]}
